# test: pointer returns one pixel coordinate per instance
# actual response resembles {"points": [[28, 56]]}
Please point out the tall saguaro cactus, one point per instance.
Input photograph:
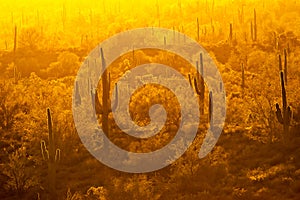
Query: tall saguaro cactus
{"points": [[255, 26], [198, 83], [285, 66], [105, 108], [243, 79], [15, 39], [77, 95], [230, 33], [105, 95], [198, 30], [210, 108], [202, 87], [284, 115], [52, 156]]}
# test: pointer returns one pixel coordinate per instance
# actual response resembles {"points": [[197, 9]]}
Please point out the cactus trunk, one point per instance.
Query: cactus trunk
{"points": [[210, 108], [202, 87], [230, 33], [285, 66], [52, 157], [105, 96], [198, 30], [51, 162], [15, 39], [284, 104], [243, 79], [255, 26]]}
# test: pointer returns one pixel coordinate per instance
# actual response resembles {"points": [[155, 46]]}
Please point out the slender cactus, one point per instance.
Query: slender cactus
{"points": [[255, 26], [230, 32], [221, 86], [243, 79], [279, 62], [202, 87], [52, 156], [285, 66], [15, 74], [283, 116], [251, 29], [198, 30], [15, 39], [105, 95], [210, 108], [77, 95], [106, 108], [197, 83], [190, 79]]}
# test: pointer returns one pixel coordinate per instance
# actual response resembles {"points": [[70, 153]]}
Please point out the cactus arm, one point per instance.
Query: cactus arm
{"points": [[117, 97], [289, 115], [279, 114], [198, 91], [44, 150], [201, 64], [97, 104], [57, 155], [190, 80]]}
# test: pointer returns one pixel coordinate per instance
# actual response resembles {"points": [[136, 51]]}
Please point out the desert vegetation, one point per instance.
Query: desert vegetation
{"points": [[256, 46]]}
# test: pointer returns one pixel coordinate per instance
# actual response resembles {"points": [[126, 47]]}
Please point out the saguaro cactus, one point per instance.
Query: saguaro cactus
{"points": [[202, 87], [255, 26], [52, 156], [77, 95], [243, 78], [197, 83], [105, 95], [17, 74], [230, 33], [15, 39], [285, 66], [210, 108], [105, 108], [283, 116], [198, 30]]}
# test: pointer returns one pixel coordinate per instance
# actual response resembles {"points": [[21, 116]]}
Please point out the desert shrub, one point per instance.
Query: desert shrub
{"points": [[20, 172]]}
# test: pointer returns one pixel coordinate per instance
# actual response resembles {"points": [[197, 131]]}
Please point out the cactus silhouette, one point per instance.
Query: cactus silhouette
{"points": [[255, 26], [15, 39], [197, 83], [198, 30], [230, 33], [77, 95], [210, 108], [52, 156], [283, 116], [243, 79], [285, 66], [105, 108]]}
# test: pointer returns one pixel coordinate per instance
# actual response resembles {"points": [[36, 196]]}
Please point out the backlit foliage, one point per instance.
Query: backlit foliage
{"points": [[43, 44]]}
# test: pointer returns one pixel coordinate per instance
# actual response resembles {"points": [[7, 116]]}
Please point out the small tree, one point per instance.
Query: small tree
{"points": [[19, 171]]}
